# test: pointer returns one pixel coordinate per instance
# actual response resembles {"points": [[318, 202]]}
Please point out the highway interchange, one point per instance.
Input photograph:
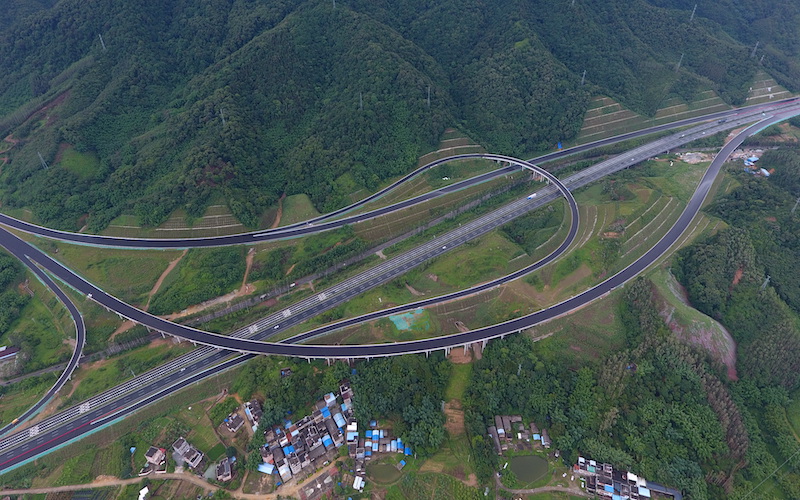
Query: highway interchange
{"points": [[107, 407]]}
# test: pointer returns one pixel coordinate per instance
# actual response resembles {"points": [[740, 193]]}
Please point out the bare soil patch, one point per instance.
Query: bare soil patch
{"points": [[431, 466], [737, 276], [458, 357], [454, 415]]}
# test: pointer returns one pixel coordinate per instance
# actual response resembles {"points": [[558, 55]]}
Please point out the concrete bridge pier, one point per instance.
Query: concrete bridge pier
{"points": [[447, 351]]}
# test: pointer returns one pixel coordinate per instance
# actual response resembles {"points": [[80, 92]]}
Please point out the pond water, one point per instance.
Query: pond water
{"points": [[528, 468], [383, 473]]}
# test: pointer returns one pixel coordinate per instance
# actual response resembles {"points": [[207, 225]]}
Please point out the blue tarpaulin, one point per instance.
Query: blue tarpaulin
{"points": [[266, 468]]}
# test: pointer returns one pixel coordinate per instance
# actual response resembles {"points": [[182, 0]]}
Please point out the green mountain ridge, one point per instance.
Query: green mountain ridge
{"points": [[240, 101]]}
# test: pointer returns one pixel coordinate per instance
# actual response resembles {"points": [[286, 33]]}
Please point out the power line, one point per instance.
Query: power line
{"points": [[772, 474]]}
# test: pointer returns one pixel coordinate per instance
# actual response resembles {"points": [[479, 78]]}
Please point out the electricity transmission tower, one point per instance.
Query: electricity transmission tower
{"points": [[44, 163]]}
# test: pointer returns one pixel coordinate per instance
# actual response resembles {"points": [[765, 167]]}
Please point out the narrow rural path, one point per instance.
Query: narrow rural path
{"points": [[163, 276], [191, 478], [277, 221], [245, 289], [105, 483], [127, 325]]}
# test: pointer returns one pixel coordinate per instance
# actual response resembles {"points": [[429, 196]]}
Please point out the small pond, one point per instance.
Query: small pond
{"points": [[528, 468], [383, 473]]}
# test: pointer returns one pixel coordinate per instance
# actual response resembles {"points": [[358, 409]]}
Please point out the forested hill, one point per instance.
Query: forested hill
{"points": [[181, 103]]}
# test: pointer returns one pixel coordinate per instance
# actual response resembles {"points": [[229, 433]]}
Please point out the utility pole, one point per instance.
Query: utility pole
{"points": [[691, 18], [583, 78], [429, 96], [753, 54], [44, 163], [101, 41], [679, 63]]}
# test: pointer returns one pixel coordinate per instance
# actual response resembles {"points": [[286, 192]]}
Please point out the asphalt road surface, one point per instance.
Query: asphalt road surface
{"points": [[380, 274], [317, 224], [29, 446], [77, 352]]}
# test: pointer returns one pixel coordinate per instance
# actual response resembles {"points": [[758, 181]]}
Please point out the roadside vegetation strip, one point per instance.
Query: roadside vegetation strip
{"points": [[668, 207], [637, 223], [671, 217], [77, 352]]}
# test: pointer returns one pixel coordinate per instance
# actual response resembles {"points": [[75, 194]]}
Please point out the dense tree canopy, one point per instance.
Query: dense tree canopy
{"points": [[238, 101]]}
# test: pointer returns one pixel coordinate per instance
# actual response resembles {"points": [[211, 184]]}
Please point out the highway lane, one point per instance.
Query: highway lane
{"points": [[503, 329], [311, 305], [207, 356], [77, 352], [318, 224], [381, 273]]}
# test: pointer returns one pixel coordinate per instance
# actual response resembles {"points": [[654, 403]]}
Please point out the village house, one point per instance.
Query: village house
{"points": [[224, 470], [188, 453], [234, 422]]}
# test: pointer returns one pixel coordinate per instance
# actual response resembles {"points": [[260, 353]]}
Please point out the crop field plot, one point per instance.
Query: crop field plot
{"points": [[425, 486]]}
